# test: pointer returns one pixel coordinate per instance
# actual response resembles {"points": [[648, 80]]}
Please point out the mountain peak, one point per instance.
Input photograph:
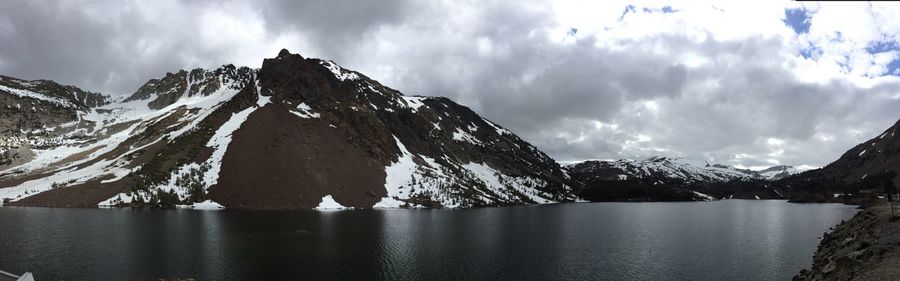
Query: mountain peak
{"points": [[284, 53]]}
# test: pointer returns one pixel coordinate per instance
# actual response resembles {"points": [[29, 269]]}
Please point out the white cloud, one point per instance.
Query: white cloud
{"points": [[714, 81]]}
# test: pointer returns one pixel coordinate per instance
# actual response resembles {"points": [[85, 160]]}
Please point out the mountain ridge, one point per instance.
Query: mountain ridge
{"points": [[662, 178], [285, 136], [868, 166]]}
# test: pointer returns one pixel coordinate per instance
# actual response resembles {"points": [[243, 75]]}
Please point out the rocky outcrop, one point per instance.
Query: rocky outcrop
{"points": [[867, 247]]}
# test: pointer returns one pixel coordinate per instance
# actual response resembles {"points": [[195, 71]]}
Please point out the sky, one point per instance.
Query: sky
{"points": [[744, 83]]}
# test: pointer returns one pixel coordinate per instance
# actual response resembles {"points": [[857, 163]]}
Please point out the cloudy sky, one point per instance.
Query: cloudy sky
{"points": [[747, 83]]}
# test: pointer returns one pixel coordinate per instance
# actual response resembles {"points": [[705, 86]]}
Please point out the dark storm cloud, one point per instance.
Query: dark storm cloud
{"points": [[115, 46], [337, 27], [83, 45], [574, 95]]}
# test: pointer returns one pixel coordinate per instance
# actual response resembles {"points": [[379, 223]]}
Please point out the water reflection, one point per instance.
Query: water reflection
{"points": [[728, 240]]}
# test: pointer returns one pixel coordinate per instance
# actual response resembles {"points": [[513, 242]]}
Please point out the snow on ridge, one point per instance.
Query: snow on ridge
{"points": [[414, 102], [675, 169], [500, 131], [328, 203], [338, 71], [34, 95], [779, 172]]}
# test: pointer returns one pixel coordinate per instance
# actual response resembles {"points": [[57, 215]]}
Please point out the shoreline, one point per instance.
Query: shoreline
{"points": [[866, 247], [89, 206]]}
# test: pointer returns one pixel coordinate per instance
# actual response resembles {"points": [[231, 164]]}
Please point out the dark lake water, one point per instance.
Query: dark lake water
{"points": [[724, 240]]}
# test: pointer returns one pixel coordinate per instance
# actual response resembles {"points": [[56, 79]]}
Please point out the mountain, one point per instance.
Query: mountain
{"points": [[672, 179], [36, 113], [778, 172], [866, 166], [296, 133], [660, 169]]}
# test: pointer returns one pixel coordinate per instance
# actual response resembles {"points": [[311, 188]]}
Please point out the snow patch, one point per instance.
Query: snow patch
{"points": [[328, 203], [205, 205], [399, 172], [520, 184], [305, 111], [460, 135], [414, 103], [706, 197], [779, 193], [222, 138], [388, 203]]}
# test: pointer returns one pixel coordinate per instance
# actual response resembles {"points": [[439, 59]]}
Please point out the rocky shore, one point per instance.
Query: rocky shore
{"points": [[867, 247]]}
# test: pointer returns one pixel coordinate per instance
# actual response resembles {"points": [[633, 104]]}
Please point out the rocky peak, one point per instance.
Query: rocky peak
{"points": [[284, 53], [183, 84], [51, 93]]}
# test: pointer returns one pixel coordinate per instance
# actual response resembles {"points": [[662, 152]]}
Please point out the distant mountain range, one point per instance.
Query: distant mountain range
{"points": [[665, 169], [296, 133], [673, 179]]}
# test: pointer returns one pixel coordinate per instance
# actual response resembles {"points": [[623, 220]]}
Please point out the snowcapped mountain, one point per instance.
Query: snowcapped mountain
{"points": [[665, 169], [661, 169], [672, 179], [778, 172], [293, 134]]}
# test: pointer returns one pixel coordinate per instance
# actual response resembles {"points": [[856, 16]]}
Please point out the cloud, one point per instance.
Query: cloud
{"points": [[748, 84]]}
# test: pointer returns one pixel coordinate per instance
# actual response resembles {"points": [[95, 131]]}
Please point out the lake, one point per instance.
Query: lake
{"points": [[722, 240]]}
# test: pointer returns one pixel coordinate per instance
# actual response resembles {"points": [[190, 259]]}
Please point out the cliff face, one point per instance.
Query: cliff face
{"points": [[867, 247]]}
